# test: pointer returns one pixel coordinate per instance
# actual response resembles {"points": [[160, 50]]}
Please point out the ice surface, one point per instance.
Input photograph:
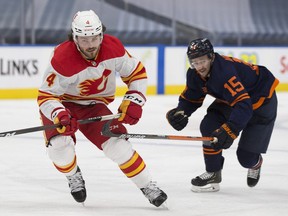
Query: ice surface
{"points": [[30, 185]]}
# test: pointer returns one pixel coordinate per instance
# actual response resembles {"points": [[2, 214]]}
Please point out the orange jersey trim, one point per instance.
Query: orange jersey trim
{"points": [[240, 98], [137, 74], [262, 99], [209, 151]]}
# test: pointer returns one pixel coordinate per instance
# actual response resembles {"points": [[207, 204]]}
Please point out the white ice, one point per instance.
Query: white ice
{"points": [[30, 185]]}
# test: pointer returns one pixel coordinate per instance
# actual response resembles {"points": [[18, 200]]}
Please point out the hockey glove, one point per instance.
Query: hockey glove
{"points": [[131, 107], [69, 125], [177, 119], [225, 136]]}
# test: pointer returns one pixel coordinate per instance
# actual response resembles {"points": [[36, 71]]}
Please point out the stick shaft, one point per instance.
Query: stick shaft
{"points": [[53, 126], [107, 132], [158, 136]]}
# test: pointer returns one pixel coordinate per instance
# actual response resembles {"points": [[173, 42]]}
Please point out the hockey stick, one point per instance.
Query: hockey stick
{"points": [[106, 131], [53, 126]]}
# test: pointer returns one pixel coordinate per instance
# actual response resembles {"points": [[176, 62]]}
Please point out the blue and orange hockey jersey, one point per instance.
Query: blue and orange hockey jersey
{"points": [[242, 85]]}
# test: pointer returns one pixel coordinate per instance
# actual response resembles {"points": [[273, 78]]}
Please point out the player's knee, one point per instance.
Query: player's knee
{"points": [[118, 150], [247, 159], [204, 127], [61, 149]]}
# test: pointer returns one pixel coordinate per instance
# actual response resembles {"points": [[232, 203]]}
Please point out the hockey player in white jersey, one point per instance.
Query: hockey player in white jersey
{"points": [[78, 84]]}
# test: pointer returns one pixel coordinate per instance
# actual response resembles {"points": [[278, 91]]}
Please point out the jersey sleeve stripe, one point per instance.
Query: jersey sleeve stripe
{"points": [[240, 98], [138, 73], [273, 87], [200, 100], [44, 96], [262, 99]]}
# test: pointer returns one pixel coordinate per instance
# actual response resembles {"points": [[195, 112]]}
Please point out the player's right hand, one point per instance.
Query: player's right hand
{"points": [[69, 125], [177, 119], [225, 136], [131, 107]]}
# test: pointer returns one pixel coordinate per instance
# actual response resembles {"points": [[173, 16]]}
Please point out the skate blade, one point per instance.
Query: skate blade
{"points": [[164, 205], [207, 188], [83, 204]]}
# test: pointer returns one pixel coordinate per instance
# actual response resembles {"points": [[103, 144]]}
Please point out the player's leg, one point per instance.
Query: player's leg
{"points": [[255, 139], [253, 162], [121, 152], [61, 151], [217, 114], [134, 167]]}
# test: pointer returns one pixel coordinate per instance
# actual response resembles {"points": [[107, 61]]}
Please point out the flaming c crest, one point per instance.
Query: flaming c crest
{"points": [[94, 86]]}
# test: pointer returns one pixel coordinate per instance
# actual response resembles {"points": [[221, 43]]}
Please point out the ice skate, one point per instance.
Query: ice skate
{"points": [[253, 175], [207, 182], [155, 195], [77, 186]]}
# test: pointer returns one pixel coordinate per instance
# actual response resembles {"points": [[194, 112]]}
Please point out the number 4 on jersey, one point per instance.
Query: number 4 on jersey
{"points": [[50, 79]]}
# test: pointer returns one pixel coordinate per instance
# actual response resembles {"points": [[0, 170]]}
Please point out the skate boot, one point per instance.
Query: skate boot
{"points": [[207, 182], [253, 175], [155, 195], [77, 186]]}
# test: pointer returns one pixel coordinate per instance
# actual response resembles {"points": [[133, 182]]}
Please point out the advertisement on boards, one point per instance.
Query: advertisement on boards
{"points": [[22, 69], [274, 58]]}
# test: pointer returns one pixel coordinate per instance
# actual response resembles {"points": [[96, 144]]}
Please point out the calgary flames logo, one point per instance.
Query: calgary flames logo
{"points": [[94, 86]]}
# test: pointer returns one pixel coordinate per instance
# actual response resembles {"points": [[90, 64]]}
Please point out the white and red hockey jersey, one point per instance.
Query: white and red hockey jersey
{"points": [[71, 77]]}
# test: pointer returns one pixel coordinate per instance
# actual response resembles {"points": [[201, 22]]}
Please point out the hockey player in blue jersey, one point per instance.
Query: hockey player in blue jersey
{"points": [[245, 101]]}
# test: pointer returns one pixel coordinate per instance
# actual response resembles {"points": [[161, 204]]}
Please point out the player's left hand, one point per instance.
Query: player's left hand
{"points": [[177, 118], [131, 107], [225, 137]]}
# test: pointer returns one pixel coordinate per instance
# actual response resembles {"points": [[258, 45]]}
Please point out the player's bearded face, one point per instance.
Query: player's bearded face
{"points": [[202, 65], [89, 46]]}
